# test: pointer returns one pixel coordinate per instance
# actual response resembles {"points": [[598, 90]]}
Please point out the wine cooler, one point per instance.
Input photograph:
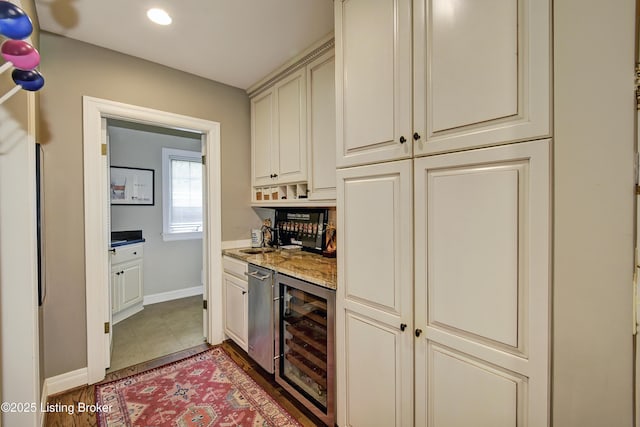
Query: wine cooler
{"points": [[305, 345]]}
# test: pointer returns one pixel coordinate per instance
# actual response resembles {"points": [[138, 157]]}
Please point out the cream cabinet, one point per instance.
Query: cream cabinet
{"points": [[321, 127], [278, 122], [443, 290], [437, 76], [373, 80], [293, 137], [127, 281], [235, 300], [263, 161], [374, 302]]}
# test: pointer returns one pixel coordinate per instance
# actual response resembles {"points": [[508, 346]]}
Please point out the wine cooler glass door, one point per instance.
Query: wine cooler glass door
{"points": [[306, 344]]}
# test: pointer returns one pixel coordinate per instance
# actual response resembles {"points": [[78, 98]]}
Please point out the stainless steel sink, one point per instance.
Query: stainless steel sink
{"points": [[253, 251]]}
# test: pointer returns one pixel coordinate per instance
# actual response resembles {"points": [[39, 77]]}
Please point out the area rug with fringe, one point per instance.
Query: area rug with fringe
{"points": [[207, 389]]}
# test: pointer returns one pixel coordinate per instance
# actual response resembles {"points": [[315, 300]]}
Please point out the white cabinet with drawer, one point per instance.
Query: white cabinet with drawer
{"points": [[126, 281], [235, 300]]}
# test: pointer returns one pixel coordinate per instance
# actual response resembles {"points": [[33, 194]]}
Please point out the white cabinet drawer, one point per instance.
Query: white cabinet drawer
{"points": [[126, 253], [235, 267]]}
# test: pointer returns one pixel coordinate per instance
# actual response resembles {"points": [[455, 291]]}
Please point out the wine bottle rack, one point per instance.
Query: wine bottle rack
{"points": [[306, 335]]}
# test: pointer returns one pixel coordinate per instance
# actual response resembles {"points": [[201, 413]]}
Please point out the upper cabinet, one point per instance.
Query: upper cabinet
{"points": [[321, 127], [293, 130], [447, 75], [262, 138], [278, 121], [373, 80]]}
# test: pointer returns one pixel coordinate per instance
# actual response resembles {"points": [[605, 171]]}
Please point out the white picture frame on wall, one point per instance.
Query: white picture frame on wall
{"points": [[131, 186]]}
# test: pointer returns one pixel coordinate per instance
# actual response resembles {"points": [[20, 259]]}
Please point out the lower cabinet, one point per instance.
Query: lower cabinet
{"points": [[442, 307], [235, 301], [126, 282]]}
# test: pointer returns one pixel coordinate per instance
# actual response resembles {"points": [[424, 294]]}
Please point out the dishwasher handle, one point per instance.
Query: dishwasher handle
{"points": [[255, 275]]}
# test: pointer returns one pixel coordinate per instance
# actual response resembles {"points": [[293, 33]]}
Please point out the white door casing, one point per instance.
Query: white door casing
{"points": [[107, 215], [482, 287], [97, 242]]}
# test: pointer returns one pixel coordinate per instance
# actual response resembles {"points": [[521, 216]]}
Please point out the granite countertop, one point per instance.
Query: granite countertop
{"points": [[302, 265]]}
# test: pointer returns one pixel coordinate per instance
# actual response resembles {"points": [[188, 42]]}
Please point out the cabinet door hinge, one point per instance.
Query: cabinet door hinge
{"points": [[103, 149], [204, 304], [106, 327], [204, 159]]}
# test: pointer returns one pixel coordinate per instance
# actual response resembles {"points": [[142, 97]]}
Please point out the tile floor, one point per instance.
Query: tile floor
{"points": [[158, 330]]}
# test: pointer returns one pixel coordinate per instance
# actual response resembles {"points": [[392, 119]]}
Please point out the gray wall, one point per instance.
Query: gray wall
{"points": [[594, 111], [73, 69], [171, 265]]}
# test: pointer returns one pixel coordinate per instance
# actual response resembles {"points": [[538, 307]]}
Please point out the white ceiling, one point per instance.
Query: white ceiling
{"points": [[236, 42]]}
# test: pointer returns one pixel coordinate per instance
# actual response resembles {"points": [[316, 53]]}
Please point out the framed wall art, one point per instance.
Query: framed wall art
{"points": [[131, 186]]}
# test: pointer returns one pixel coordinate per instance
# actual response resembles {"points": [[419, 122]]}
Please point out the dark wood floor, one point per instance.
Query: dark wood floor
{"points": [[86, 394]]}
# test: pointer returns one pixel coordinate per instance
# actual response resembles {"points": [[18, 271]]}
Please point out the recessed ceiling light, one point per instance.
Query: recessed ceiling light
{"points": [[159, 16]]}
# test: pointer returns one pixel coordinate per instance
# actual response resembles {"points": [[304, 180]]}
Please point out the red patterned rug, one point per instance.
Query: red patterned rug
{"points": [[204, 390]]}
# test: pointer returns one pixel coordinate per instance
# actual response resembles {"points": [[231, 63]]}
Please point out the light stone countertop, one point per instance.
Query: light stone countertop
{"points": [[302, 265]]}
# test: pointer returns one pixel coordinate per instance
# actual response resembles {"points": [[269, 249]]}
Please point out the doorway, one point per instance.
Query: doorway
{"points": [[156, 196], [96, 215]]}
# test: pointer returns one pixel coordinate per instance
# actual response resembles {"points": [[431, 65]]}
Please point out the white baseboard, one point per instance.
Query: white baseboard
{"points": [[128, 312], [64, 382], [231, 244], [171, 295]]}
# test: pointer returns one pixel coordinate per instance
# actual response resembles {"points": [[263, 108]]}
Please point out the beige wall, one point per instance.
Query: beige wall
{"points": [[73, 69], [593, 217]]}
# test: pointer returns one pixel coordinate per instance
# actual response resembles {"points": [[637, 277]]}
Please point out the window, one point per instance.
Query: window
{"points": [[181, 194]]}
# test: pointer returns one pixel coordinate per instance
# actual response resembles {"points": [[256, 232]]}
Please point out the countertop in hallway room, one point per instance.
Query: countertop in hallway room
{"points": [[302, 265]]}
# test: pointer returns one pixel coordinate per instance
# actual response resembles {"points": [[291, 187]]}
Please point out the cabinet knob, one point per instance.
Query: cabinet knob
{"points": [[403, 140], [275, 175], [403, 326], [244, 292], [271, 176], [416, 136], [135, 253], [418, 332]]}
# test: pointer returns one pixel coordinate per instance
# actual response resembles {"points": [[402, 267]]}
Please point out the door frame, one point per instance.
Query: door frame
{"points": [[96, 207]]}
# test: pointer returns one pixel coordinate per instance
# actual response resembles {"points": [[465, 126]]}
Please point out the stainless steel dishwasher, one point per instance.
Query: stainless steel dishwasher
{"points": [[262, 300]]}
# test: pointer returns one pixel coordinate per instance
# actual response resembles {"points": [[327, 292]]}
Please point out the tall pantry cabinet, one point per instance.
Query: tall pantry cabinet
{"points": [[443, 204]]}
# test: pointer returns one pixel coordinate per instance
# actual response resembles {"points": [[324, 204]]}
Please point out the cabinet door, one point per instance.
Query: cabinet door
{"points": [[262, 138], [235, 309], [481, 72], [482, 239], [291, 150], [130, 284], [373, 80], [321, 127], [374, 351]]}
